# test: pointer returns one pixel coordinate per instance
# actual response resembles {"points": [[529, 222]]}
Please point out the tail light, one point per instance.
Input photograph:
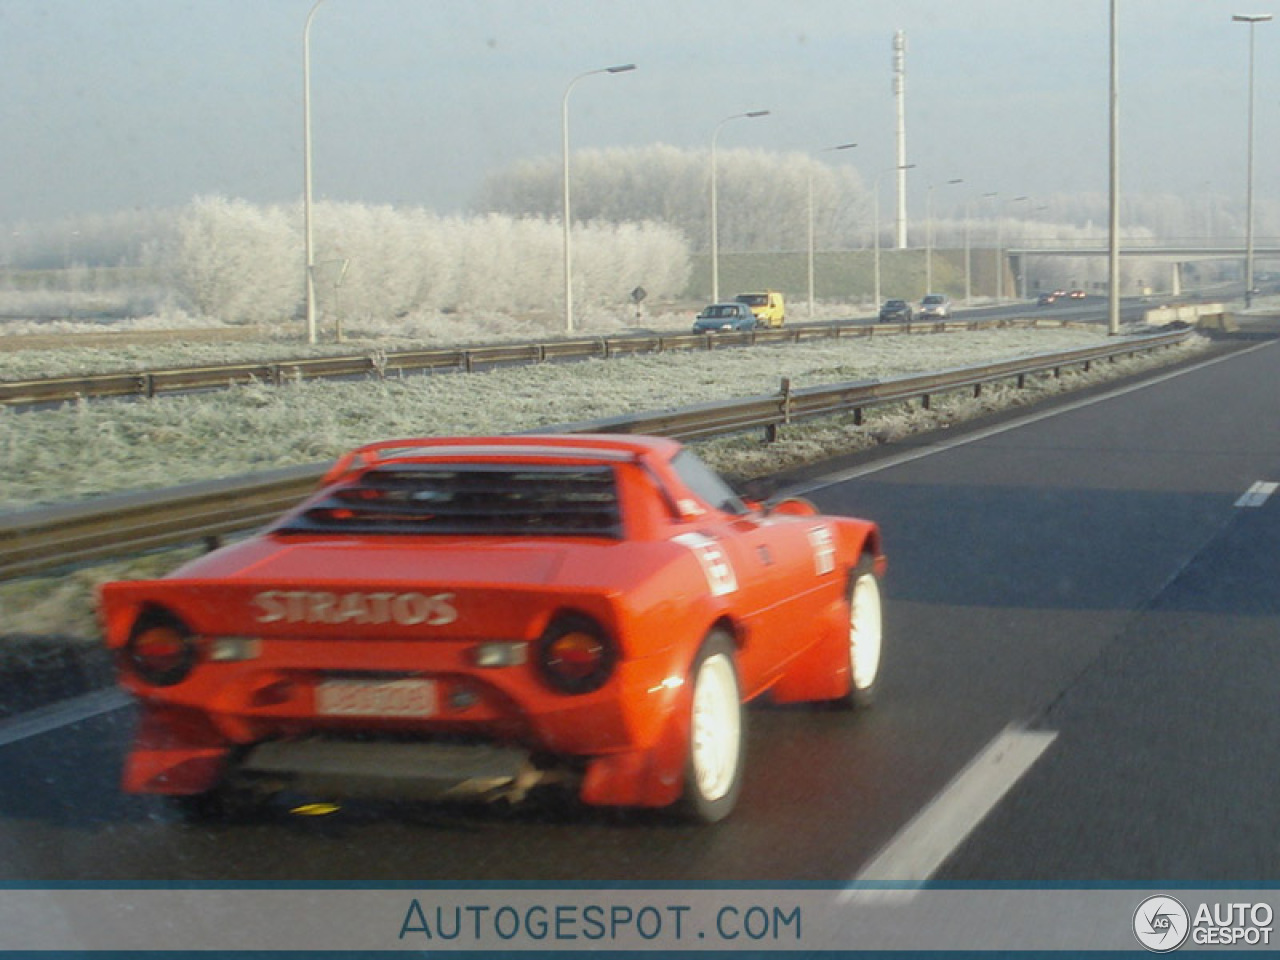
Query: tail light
{"points": [[161, 648], [576, 654]]}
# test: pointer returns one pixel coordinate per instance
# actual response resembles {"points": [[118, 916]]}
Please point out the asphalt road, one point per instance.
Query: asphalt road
{"points": [[1084, 574]]}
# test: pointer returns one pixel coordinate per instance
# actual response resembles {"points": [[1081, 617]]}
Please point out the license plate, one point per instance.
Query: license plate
{"points": [[409, 697]]}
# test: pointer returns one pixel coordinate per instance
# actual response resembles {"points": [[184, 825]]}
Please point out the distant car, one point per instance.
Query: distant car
{"points": [[725, 317], [896, 311], [482, 616], [768, 306], [1046, 298], [936, 305], [1077, 294]]}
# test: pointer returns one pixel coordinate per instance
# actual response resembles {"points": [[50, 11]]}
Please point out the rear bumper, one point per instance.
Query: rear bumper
{"points": [[626, 742]]}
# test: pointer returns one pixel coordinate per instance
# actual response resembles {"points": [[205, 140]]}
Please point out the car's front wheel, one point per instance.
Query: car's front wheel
{"points": [[717, 728], [866, 635]]}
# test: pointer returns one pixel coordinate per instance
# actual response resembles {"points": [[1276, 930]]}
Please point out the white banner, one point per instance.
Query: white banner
{"points": [[564, 920]]}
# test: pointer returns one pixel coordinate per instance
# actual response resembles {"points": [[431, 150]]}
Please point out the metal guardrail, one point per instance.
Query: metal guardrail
{"points": [[149, 383], [46, 539]]}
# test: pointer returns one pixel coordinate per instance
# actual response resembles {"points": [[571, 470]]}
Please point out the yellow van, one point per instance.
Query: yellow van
{"points": [[767, 306]]}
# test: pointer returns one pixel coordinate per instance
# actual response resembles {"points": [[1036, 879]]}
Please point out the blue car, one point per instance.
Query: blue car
{"points": [[724, 317]]}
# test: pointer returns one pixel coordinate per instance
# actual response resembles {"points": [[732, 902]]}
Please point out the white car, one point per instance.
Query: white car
{"points": [[937, 305]]}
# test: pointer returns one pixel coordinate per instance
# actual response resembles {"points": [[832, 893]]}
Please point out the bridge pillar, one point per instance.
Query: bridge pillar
{"points": [[1177, 278]]}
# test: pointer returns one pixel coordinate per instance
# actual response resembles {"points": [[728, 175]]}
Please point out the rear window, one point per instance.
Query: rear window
{"points": [[754, 299], [465, 499]]}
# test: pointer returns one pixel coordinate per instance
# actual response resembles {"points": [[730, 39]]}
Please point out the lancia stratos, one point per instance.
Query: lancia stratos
{"points": [[453, 617]]}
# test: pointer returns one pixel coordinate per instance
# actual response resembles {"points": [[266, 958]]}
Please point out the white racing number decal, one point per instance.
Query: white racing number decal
{"points": [[824, 550], [317, 606], [715, 563]]}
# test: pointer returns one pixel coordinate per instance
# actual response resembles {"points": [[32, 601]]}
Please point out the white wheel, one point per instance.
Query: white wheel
{"points": [[713, 773], [865, 635]]}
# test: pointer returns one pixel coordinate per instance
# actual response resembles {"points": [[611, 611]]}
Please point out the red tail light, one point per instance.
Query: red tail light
{"points": [[161, 649], [576, 654]]}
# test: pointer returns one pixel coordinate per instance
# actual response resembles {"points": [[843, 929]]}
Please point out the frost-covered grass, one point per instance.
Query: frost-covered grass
{"points": [[268, 345], [93, 448]]}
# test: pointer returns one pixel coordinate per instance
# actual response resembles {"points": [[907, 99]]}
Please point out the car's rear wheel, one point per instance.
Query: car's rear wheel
{"points": [[717, 729], [866, 635]]}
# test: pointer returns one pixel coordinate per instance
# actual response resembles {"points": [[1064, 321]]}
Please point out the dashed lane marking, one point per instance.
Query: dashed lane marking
{"points": [[921, 847], [1257, 495]]}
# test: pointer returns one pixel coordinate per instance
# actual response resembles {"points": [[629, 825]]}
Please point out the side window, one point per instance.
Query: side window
{"points": [[706, 483]]}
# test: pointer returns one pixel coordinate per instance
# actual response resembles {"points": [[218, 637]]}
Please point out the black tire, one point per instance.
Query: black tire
{"points": [[862, 597], [717, 733]]}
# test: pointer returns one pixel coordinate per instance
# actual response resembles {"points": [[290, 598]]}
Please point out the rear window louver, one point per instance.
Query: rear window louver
{"points": [[469, 499]]}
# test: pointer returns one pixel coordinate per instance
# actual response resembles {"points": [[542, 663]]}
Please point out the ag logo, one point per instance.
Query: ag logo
{"points": [[1161, 924]]}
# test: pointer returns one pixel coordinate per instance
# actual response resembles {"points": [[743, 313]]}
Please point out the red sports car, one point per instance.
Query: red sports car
{"points": [[485, 615]]}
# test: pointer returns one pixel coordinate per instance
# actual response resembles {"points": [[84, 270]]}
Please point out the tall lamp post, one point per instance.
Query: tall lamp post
{"points": [[968, 249], [715, 227], [928, 236], [875, 202], [1252, 19], [1113, 182], [842, 146], [568, 226], [306, 175], [993, 195], [1000, 244]]}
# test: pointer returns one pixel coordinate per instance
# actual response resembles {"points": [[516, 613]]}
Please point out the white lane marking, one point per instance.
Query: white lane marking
{"points": [[833, 479], [57, 715], [920, 847], [1258, 494]]}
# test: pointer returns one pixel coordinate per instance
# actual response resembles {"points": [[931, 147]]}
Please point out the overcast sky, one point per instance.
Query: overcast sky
{"points": [[116, 104]]}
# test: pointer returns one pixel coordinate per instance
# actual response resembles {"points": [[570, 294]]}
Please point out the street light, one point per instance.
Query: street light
{"points": [[1000, 244], [843, 146], [876, 219], [568, 230], [968, 249], [928, 235], [306, 175], [1251, 19], [992, 195], [715, 229]]}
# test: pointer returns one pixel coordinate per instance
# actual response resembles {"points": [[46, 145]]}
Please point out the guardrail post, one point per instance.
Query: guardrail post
{"points": [[771, 429], [468, 361]]}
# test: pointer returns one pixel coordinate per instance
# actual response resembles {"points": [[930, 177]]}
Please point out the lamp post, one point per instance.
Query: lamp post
{"points": [[1113, 181], [308, 241], [842, 146], [928, 235], [715, 227], [1000, 244], [968, 250], [876, 220], [1252, 19], [568, 227], [992, 195]]}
